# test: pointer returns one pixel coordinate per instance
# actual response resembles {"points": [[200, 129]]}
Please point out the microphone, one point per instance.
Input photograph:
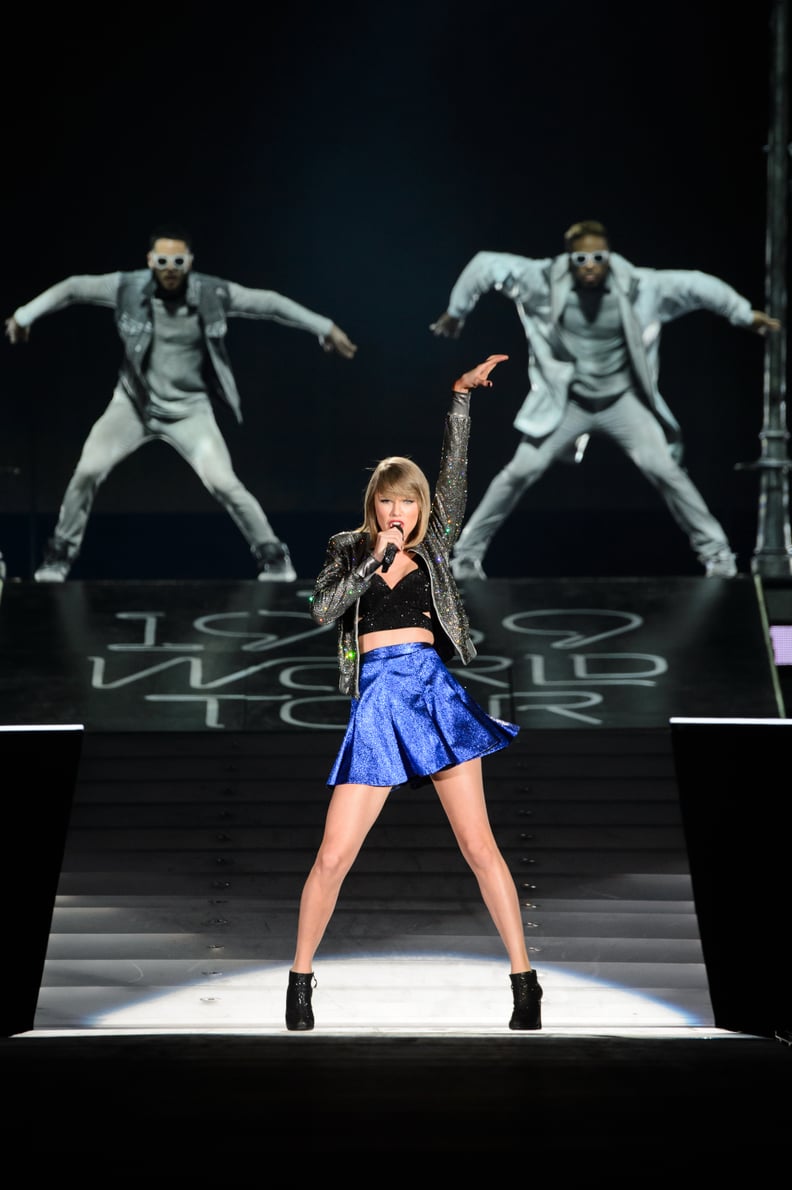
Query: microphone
{"points": [[390, 552]]}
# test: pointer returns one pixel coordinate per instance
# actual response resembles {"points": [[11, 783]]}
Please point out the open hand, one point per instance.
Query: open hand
{"points": [[16, 333], [478, 377], [446, 326], [337, 341], [762, 323]]}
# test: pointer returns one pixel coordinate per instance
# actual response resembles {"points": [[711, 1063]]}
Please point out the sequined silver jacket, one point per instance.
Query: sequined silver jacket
{"points": [[349, 565]]}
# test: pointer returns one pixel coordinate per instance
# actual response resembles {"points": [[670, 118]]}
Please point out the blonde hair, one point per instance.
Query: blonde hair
{"points": [[398, 476]]}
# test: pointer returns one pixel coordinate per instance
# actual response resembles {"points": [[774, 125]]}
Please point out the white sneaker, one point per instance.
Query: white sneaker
{"points": [[278, 572], [721, 566], [56, 564], [52, 572], [275, 564], [463, 568]]}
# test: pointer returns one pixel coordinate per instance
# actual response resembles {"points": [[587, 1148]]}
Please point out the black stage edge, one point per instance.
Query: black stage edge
{"points": [[612, 1111], [734, 791], [39, 767]]}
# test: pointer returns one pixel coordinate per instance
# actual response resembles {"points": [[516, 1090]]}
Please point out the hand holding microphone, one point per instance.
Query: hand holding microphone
{"points": [[391, 550]]}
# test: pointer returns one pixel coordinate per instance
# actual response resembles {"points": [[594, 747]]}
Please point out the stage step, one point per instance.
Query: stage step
{"points": [[186, 853]]}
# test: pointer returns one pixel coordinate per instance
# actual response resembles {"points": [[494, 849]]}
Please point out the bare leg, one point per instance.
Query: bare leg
{"points": [[352, 812], [461, 793]]}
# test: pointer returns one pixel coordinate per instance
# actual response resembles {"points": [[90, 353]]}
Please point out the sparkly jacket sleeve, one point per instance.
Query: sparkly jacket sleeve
{"points": [[347, 571], [450, 494]]}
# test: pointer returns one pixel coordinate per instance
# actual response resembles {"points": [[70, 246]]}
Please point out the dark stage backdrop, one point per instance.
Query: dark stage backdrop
{"points": [[354, 157]]}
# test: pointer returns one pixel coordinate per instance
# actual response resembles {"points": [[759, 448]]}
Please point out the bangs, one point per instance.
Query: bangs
{"points": [[399, 477], [404, 490]]}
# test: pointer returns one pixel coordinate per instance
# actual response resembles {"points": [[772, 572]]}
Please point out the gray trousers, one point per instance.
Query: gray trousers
{"points": [[119, 431], [627, 422]]}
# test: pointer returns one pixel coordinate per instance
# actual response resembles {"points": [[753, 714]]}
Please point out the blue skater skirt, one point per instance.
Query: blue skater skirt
{"points": [[412, 719]]}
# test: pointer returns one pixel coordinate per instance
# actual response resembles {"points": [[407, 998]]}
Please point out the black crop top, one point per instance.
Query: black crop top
{"points": [[383, 608]]}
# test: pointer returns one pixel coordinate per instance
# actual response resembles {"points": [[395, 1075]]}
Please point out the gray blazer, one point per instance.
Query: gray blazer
{"points": [[648, 298], [215, 300]]}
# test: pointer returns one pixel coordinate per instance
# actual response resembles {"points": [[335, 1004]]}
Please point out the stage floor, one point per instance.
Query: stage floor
{"points": [[246, 656]]}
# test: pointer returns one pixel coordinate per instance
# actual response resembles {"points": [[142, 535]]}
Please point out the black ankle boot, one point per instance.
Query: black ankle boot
{"points": [[299, 1014], [527, 993]]}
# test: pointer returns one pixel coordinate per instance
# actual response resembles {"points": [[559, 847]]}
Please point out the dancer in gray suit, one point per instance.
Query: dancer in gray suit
{"points": [[592, 323], [172, 323]]}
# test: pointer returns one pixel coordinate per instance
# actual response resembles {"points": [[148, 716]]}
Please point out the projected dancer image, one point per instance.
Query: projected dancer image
{"points": [[172, 322], [593, 324], [389, 586]]}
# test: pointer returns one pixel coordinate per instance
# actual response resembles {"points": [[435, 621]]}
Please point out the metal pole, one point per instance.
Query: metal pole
{"points": [[772, 557]]}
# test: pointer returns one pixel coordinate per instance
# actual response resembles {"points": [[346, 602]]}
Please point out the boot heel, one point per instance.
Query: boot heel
{"points": [[527, 993], [299, 1014]]}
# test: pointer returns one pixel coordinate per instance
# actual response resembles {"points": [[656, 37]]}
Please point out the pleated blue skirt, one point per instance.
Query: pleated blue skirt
{"points": [[412, 719]]}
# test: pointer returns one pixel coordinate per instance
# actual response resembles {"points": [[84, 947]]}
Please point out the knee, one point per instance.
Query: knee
{"points": [[331, 864], [226, 487], [657, 469], [522, 470], [86, 478], [513, 479], [481, 855]]}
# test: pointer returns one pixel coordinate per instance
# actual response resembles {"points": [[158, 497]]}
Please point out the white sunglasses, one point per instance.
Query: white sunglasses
{"points": [[580, 258], [167, 260]]}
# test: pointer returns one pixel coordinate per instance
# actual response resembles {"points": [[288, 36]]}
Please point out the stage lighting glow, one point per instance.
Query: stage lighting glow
{"points": [[440, 994]]}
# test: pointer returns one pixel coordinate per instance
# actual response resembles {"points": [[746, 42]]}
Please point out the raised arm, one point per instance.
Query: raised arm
{"points": [[450, 495]]}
